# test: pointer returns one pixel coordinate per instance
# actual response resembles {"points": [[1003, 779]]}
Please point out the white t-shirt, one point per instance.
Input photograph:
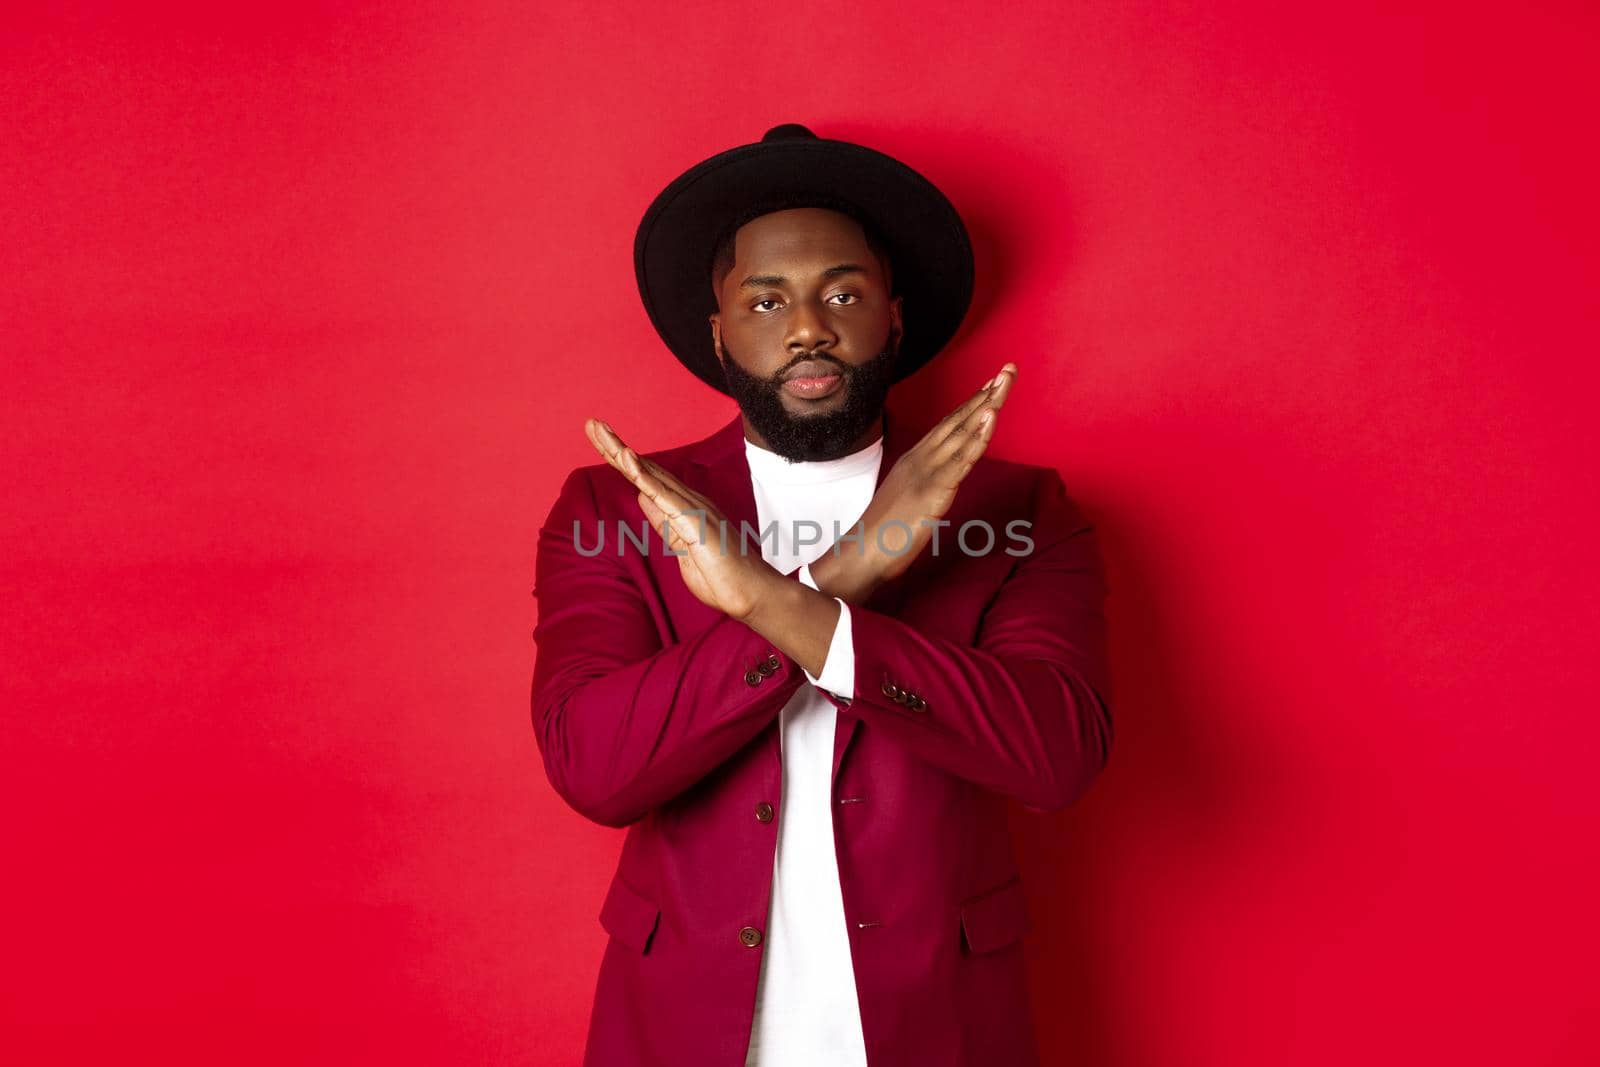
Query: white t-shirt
{"points": [[806, 1008]]}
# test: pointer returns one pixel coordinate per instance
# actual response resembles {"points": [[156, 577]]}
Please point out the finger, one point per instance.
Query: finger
{"points": [[652, 479], [1000, 385], [954, 445], [651, 511], [610, 445], [671, 481], [632, 466], [605, 439], [944, 426], [1008, 368], [979, 419], [606, 442], [709, 514], [997, 386], [658, 521], [591, 430], [685, 518], [956, 464], [657, 515], [996, 389]]}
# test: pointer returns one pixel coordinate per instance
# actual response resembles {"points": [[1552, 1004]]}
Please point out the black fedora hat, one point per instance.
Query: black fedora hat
{"points": [[929, 250]]}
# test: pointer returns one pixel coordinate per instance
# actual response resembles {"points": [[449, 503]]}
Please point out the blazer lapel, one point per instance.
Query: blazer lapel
{"points": [[723, 475]]}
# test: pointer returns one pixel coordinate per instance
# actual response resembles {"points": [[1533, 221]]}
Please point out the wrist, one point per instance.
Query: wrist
{"points": [[798, 621], [845, 573], [776, 597]]}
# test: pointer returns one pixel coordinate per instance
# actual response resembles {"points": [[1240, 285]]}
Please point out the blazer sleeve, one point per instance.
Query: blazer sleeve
{"points": [[623, 722], [1027, 710]]}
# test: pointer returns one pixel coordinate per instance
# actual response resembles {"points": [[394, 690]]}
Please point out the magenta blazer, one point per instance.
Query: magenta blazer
{"points": [[978, 678]]}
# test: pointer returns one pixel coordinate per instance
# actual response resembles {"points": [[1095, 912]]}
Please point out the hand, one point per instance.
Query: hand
{"points": [[730, 581], [919, 489]]}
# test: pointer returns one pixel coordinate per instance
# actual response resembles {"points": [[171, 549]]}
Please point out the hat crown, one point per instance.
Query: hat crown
{"points": [[789, 131], [682, 230]]}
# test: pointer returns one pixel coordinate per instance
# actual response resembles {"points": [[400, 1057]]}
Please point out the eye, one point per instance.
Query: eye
{"points": [[765, 300], [853, 297]]}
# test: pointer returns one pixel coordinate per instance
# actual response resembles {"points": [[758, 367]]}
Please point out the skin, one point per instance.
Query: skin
{"points": [[805, 319], [846, 317]]}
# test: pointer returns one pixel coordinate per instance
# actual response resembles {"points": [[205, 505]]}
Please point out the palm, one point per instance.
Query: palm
{"points": [[922, 486], [693, 527], [705, 572], [917, 491]]}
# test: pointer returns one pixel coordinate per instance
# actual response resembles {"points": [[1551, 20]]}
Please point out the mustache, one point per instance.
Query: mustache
{"points": [[840, 368]]}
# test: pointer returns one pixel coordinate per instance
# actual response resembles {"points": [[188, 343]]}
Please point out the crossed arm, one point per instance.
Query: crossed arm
{"points": [[1026, 710], [625, 724]]}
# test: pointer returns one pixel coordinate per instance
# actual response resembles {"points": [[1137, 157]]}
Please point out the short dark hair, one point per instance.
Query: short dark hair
{"points": [[722, 256]]}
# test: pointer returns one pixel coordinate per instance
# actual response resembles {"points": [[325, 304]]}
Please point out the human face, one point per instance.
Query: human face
{"points": [[807, 333]]}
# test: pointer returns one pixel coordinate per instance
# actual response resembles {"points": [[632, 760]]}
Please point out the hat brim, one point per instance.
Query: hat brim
{"points": [[929, 248]]}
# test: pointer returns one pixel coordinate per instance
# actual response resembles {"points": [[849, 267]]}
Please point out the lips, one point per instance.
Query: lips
{"points": [[813, 388], [811, 368], [812, 380]]}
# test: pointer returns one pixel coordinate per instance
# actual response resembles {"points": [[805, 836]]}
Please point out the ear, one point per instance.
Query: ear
{"points": [[896, 330], [716, 335]]}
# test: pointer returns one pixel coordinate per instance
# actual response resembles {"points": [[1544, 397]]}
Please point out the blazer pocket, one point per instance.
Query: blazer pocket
{"points": [[629, 916], [997, 917]]}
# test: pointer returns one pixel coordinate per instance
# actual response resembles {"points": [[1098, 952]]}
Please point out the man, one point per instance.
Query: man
{"points": [[812, 745]]}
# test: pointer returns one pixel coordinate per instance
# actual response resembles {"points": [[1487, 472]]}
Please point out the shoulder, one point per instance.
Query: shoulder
{"points": [[1034, 491], [1015, 480], [1012, 473]]}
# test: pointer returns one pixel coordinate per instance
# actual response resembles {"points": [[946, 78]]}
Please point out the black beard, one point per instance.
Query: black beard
{"points": [[810, 438]]}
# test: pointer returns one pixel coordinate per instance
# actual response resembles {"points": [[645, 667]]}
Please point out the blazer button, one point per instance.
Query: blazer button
{"points": [[918, 704], [750, 936], [891, 690], [765, 668], [764, 811], [772, 662], [752, 678]]}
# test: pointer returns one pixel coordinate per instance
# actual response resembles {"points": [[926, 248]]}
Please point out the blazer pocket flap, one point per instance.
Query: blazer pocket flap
{"points": [[996, 918], [629, 916]]}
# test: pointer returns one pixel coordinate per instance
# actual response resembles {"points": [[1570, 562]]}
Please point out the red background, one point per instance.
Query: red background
{"points": [[302, 313]]}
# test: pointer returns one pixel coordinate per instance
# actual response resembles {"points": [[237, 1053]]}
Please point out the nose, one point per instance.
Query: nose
{"points": [[809, 330]]}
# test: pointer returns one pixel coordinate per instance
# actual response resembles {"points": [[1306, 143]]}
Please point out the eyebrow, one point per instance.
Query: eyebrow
{"points": [[758, 280]]}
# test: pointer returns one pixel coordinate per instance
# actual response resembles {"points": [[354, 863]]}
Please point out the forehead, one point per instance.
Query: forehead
{"points": [[799, 233]]}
